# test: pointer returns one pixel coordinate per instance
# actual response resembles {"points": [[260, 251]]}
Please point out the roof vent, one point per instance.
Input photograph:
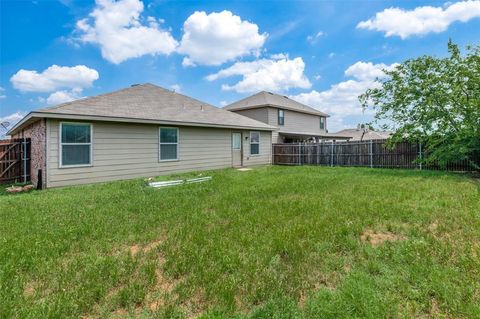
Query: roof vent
{"points": [[285, 96], [136, 84]]}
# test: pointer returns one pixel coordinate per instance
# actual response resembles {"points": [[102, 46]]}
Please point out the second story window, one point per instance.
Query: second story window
{"points": [[281, 117], [322, 123]]}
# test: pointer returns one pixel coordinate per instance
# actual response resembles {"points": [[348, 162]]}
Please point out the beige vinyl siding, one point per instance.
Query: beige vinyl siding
{"points": [[296, 122], [123, 151], [276, 137], [259, 114], [265, 150]]}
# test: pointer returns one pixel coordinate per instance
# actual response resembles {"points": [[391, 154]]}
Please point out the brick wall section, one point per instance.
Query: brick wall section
{"points": [[37, 133]]}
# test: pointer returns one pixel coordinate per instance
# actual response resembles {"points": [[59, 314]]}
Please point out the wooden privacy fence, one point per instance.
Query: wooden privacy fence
{"points": [[372, 153], [15, 160]]}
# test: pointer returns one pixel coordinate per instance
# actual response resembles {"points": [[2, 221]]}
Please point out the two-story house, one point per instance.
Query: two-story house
{"points": [[295, 121]]}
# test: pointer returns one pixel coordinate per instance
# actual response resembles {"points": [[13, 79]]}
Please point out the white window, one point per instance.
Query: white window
{"points": [[168, 144], [254, 143], [322, 123], [75, 144]]}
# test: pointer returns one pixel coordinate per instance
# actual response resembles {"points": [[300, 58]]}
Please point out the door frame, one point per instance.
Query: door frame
{"points": [[241, 147]]}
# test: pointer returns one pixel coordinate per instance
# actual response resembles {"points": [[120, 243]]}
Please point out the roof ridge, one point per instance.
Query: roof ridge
{"points": [[266, 98], [96, 96], [148, 101], [133, 86]]}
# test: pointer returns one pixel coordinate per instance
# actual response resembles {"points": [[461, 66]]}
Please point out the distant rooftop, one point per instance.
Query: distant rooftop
{"points": [[265, 98], [360, 134]]}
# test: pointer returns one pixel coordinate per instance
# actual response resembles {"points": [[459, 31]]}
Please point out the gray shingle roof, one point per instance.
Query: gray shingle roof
{"points": [[264, 98], [151, 102], [359, 135]]}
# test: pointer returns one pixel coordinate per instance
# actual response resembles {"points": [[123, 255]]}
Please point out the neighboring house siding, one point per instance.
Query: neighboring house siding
{"points": [[123, 151], [273, 120], [296, 121], [37, 134], [276, 137], [259, 114], [262, 114]]}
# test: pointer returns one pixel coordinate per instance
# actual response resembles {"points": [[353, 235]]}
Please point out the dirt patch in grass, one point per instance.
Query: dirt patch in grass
{"points": [[36, 288], [163, 292], [163, 285], [376, 238], [434, 309], [302, 300], [120, 312], [136, 249], [139, 252], [433, 226], [29, 289], [195, 305]]}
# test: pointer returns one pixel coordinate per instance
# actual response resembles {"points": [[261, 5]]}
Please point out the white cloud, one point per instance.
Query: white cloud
{"points": [[223, 103], [341, 100], [218, 37], [176, 87], [421, 20], [365, 71], [279, 56], [53, 78], [117, 28], [2, 96], [313, 38], [12, 118], [63, 96], [265, 74]]}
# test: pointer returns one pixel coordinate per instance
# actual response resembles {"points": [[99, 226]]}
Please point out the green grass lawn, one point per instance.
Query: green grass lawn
{"points": [[274, 242]]}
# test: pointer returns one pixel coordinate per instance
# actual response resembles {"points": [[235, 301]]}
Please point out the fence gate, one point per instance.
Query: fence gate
{"points": [[15, 160]]}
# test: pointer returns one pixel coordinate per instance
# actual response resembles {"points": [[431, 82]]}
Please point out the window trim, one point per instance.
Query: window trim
{"points": [[324, 123], [283, 117], [60, 145], [160, 144], [250, 150]]}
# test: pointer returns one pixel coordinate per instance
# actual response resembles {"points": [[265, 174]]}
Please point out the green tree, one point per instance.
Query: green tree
{"points": [[435, 101]]}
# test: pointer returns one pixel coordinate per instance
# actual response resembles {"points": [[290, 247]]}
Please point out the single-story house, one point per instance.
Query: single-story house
{"points": [[141, 131], [295, 122]]}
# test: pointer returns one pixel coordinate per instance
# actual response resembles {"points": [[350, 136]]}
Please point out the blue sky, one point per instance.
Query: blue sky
{"points": [[323, 53]]}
